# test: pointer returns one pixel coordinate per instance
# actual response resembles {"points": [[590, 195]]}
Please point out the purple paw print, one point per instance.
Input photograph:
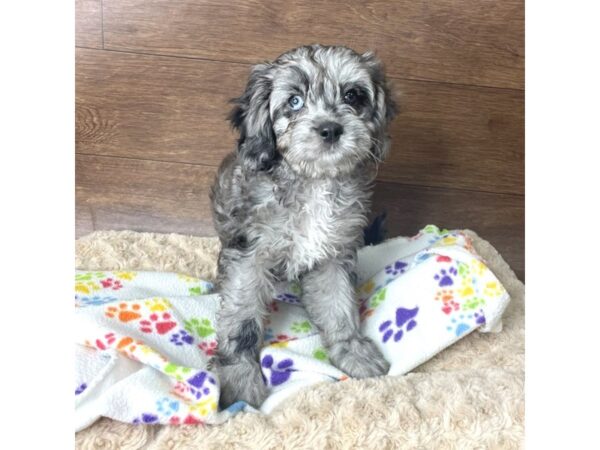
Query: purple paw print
{"points": [[197, 386], [288, 298], [444, 278], [396, 268], [280, 373], [82, 387], [403, 317], [146, 418], [182, 337]]}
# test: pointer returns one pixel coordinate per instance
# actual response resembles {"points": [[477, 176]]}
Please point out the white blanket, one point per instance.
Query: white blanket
{"points": [[144, 339]]}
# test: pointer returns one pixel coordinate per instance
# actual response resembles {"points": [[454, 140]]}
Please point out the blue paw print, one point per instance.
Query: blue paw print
{"points": [[398, 267], [167, 406], [82, 387], [182, 337], [405, 320], [288, 298], [198, 388], [145, 419], [445, 278], [280, 373], [268, 335], [95, 300], [466, 322]]}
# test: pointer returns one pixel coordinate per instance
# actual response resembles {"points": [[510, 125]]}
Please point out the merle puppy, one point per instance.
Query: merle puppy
{"points": [[291, 204]]}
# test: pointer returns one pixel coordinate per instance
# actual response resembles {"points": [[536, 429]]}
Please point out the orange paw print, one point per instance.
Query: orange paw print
{"points": [[445, 295], [124, 312]]}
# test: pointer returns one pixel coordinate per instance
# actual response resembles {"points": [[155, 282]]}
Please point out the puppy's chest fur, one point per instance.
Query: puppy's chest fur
{"points": [[304, 222]]}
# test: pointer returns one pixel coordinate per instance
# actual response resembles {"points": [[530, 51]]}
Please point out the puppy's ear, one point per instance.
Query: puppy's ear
{"points": [[257, 144], [385, 108]]}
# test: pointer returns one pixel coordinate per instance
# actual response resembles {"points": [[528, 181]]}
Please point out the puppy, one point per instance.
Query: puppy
{"points": [[292, 202]]}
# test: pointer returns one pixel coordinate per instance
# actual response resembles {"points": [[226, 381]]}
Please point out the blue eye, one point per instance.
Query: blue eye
{"points": [[296, 102]]}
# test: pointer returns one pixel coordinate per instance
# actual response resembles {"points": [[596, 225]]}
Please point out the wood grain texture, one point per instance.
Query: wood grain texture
{"points": [[88, 23], [173, 109], [479, 42], [129, 194], [498, 218]]}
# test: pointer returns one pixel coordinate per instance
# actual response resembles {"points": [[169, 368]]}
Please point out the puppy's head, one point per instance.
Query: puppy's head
{"points": [[325, 110]]}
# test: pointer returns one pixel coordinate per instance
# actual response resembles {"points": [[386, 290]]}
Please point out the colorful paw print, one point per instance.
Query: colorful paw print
{"points": [[201, 327], [167, 406], [82, 387], [181, 338], [467, 287], [445, 277], [466, 322], [161, 323], [201, 384], [301, 327], [398, 267], [204, 407], [158, 304], [445, 295], [280, 372], [110, 283], [125, 312], [273, 307], [473, 303], [196, 290], [405, 320], [321, 354], [180, 373], [126, 275], [286, 297], [145, 419], [208, 347], [95, 300], [378, 298], [367, 288], [86, 287], [493, 289]]}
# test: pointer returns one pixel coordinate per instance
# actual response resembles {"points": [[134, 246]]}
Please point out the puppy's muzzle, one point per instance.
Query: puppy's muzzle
{"points": [[330, 132]]}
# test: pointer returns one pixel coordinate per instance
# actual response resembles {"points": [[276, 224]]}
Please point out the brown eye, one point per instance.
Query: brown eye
{"points": [[351, 97]]}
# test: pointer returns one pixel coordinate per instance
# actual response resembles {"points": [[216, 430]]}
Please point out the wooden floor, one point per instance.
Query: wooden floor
{"points": [[153, 79]]}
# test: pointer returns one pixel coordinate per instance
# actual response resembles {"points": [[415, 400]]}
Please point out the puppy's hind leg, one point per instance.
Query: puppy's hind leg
{"points": [[245, 289]]}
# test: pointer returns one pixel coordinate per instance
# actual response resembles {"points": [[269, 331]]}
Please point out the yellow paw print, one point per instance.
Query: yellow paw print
{"points": [[367, 288], [126, 275], [187, 278], [205, 407], [86, 287], [478, 267], [466, 288], [493, 289], [282, 344], [158, 304]]}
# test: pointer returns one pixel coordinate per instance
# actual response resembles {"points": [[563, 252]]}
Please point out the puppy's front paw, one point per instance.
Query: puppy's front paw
{"points": [[241, 380], [359, 358]]}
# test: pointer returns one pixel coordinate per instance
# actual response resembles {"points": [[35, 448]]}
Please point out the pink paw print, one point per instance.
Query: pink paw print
{"points": [[450, 306], [115, 285], [209, 348], [162, 323], [103, 344]]}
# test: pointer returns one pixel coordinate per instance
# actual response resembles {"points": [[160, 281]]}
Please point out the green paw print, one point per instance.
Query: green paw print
{"points": [[178, 372], [321, 354], [432, 229], [301, 327], [378, 298], [196, 290], [88, 276], [295, 288], [473, 303], [201, 327], [463, 270]]}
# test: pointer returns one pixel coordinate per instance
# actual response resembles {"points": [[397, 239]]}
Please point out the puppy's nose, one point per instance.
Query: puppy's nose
{"points": [[330, 131]]}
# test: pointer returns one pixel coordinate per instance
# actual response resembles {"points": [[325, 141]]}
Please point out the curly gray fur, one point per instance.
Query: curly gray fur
{"points": [[292, 202]]}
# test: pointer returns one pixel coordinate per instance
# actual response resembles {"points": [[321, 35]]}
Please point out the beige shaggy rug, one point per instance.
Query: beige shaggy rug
{"points": [[468, 396]]}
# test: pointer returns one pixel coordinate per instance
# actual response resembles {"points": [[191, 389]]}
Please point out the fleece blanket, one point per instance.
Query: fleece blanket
{"points": [[145, 338]]}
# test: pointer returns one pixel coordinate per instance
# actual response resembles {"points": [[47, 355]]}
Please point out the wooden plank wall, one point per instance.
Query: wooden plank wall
{"points": [[153, 78]]}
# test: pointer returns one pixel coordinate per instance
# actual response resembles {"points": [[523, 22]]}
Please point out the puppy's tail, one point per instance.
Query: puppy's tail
{"points": [[375, 232]]}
